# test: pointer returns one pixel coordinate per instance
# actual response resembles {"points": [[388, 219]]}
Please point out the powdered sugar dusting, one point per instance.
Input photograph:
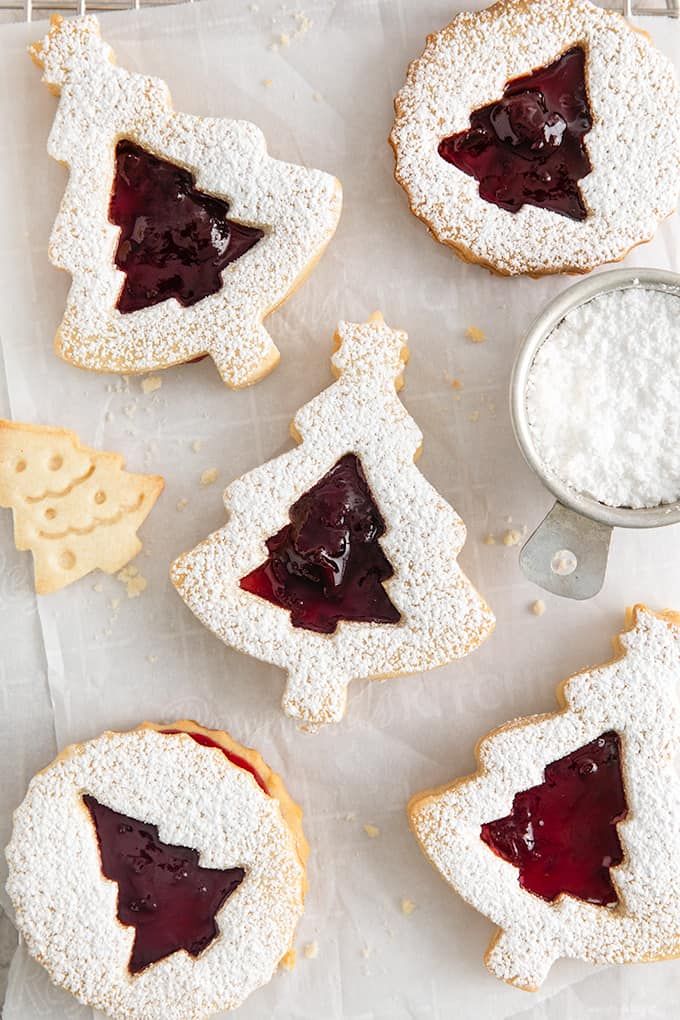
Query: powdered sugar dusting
{"points": [[66, 909], [442, 616], [634, 144], [297, 208], [635, 695], [602, 398]]}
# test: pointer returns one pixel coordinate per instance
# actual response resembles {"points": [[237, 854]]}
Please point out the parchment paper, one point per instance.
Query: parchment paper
{"points": [[89, 658]]}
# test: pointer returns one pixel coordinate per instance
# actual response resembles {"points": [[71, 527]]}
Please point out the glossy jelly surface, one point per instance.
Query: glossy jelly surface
{"points": [[528, 147], [562, 834], [174, 241], [328, 565]]}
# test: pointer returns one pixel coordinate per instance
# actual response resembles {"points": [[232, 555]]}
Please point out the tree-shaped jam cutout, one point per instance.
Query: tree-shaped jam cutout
{"points": [[163, 892], [175, 241], [528, 147], [562, 834], [327, 565]]}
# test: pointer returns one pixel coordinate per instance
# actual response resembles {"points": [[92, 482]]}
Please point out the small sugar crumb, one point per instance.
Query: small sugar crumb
{"points": [[134, 582], [407, 907], [267, 82], [538, 607], [151, 384], [196, 445], [152, 659], [98, 587], [284, 39], [372, 831], [317, 97], [474, 333], [182, 504], [288, 961], [311, 950], [512, 537], [114, 604], [209, 476], [489, 539]]}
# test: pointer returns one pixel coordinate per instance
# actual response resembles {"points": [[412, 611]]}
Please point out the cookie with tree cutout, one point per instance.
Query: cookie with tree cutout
{"points": [[158, 874], [338, 560], [180, 233], [567, 835], [539, 136]]}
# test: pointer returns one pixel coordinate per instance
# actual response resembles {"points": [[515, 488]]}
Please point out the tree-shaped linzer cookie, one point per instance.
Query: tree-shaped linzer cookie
{"points": [[339, 559], [568, 834], [180, 233], [75, 508]]}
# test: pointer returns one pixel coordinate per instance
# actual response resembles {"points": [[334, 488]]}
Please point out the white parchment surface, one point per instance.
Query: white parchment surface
{"points": [[89, 658]]}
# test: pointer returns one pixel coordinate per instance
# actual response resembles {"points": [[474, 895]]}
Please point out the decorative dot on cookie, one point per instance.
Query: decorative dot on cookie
{"points": [[539, 136], [338, 560], [180, 850], [567, 835], [180, 233], [75, 508]]}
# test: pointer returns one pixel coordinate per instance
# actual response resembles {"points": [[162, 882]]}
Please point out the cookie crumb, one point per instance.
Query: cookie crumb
{"points": [[182, 504], [456, 384], [372, 831], [474, 333], [284, 39], [474, 416], [98, 587], [407, 907], [538, 607], [114, 604], [512, 537], [134, 582], [288, 961], [489, 539], [267, 82], [311, 950], [151, 384], [209, 476], [196, 445]]}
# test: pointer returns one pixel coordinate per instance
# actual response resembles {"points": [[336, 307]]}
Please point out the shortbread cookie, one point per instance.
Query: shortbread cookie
{"points": [[567, 836], [158, 874], [75, 508], [539, 136], [180, 232], [339, 560]]}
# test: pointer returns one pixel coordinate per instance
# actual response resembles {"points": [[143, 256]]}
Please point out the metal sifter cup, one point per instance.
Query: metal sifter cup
{"points": [[567, 553]]}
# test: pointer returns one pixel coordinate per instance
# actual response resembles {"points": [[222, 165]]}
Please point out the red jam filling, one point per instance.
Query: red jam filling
{"points": [[562, 834], [327, 565], [528, 148], [235, 759], [163, 892], [174, 241]]}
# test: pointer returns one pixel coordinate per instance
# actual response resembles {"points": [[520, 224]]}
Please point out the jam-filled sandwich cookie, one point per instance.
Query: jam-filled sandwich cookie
{"points": [[338, 560], [539, 136], [568, 835], [180, 233], [158, 874]]}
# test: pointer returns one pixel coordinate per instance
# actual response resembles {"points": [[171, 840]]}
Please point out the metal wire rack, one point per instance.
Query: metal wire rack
{"points": [[29, 9]]}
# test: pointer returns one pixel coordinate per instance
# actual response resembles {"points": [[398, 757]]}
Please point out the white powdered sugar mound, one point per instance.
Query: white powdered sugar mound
{"points": [[603, 398]]}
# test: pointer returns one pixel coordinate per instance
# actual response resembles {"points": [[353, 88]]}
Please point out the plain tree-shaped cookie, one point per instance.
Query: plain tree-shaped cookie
{"points": [[393, 537], [75, 508], [568, 835], [263, 222]]}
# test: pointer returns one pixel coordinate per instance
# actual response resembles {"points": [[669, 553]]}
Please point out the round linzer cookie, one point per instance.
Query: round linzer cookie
{"points": [[568, 835], [539, 136], [338, 560], [180, 233], [158, 874]]}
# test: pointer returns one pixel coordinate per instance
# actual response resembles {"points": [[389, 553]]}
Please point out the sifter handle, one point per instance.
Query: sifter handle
{"points": [[567, 554]]}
